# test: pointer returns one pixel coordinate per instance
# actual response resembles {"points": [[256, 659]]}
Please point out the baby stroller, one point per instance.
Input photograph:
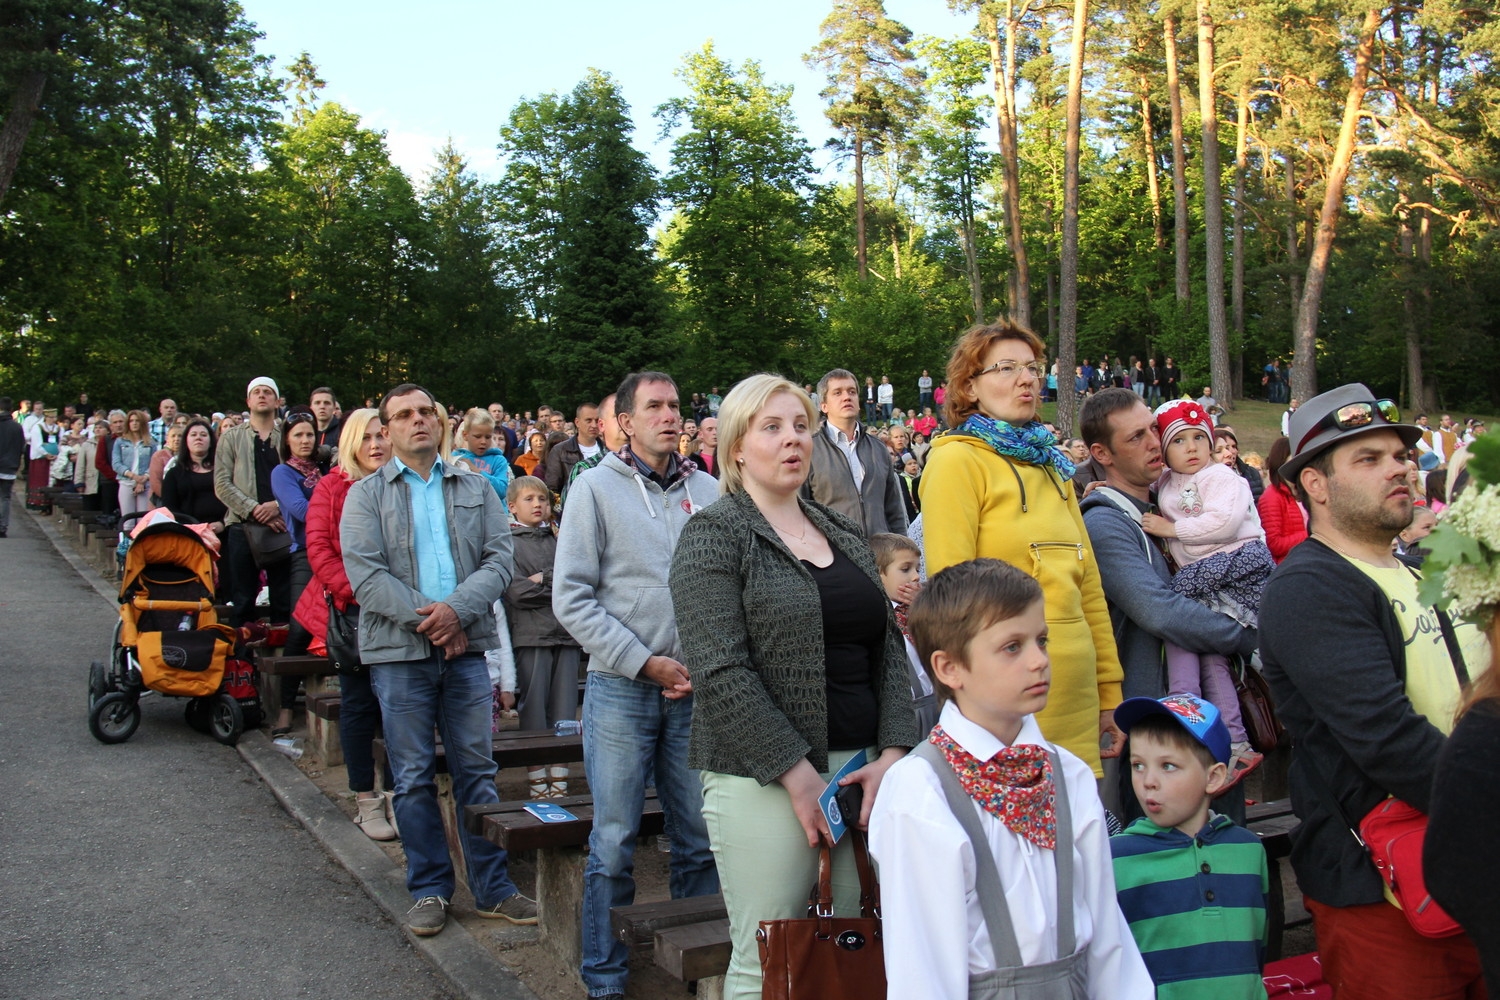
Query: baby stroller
{"points": [[169, 640]]}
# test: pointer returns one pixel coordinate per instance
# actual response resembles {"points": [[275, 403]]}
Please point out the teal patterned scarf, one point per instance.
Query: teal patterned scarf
{"points": [[1030, 442]]}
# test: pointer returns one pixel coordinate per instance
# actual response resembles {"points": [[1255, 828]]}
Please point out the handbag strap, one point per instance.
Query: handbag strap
{"points": [[869, 886], [987, 887]]}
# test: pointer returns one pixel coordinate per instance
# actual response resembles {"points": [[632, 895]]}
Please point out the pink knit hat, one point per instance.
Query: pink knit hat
{"points": [[1174, 417]]}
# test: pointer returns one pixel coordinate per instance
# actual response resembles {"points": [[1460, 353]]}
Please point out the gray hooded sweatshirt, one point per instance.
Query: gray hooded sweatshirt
{"points": [[614, 553]]}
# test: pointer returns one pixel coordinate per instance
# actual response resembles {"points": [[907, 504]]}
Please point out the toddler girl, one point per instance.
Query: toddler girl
{"points": [[1209, 521], [475, 451]]}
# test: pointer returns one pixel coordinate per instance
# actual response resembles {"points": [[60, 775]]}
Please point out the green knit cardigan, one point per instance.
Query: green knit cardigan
{"points": [[751, 625]]}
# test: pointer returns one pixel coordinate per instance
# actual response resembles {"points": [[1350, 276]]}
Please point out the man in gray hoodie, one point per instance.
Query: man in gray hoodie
{"points": [[609, 590]]}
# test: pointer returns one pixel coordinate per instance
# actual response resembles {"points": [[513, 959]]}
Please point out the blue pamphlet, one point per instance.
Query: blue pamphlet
{"points": [[549, 812], [836, 822]]}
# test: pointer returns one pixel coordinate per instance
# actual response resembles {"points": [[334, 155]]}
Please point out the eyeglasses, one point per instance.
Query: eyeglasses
{"points": [[426, 412], [1352, 416], [1011, 370]]}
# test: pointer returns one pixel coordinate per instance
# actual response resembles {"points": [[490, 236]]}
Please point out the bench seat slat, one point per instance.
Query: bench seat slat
{"points": [[518, 830], [637, 925], [694, 951]]}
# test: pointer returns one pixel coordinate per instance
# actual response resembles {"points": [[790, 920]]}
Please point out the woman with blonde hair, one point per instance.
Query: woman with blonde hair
{"points": [[362, 451], [130, 457], [996, 486], [797, 666]]}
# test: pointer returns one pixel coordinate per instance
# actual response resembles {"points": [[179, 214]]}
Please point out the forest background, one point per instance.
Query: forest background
{"points": [[1308, 180]]}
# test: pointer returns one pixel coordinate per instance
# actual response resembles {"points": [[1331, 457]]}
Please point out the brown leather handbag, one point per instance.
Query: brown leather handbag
{"points": [[823, 957], [1257, 709]]}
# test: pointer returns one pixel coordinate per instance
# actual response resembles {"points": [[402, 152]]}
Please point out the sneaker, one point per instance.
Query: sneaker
{"points": [[428, 916], [518, 909], [1242, 760]]}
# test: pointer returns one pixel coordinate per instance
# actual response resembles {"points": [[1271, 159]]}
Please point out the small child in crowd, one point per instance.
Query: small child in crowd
{"points": [[1209, 520], [547, 657], [986, 794], [1192, 885], [897, 557], [476, 451]]}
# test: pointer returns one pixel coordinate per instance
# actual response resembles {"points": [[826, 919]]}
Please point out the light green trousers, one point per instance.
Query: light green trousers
{"points": [[766, 869]]}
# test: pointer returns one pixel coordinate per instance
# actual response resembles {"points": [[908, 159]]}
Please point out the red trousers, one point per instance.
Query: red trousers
{"points": [[1370, 952]]}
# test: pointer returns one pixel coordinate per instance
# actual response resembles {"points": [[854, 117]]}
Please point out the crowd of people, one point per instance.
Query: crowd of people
{"points": [[1018, 654]]}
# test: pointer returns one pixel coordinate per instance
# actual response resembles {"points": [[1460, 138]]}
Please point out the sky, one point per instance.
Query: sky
{"points": [[425, 72]]}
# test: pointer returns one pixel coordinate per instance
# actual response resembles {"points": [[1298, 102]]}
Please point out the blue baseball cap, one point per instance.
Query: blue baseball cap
{"points": [[1198, 717]]}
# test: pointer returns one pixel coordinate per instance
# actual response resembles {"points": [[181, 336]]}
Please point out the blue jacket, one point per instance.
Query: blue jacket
{"points": [[491, 465]]}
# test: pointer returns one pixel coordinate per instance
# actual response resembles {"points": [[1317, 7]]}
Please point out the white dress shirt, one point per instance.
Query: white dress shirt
{"points": [[935, 936]]}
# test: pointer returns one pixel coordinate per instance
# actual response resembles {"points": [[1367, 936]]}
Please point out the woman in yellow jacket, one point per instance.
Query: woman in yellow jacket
{"points": [[996, 486]]}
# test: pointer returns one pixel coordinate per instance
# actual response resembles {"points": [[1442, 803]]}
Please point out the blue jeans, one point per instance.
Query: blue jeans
{"points": [[453, 695], [627, 728]]}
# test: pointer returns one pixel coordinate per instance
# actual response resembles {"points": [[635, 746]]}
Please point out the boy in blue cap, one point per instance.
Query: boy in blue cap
{"points": [[1192, 884]]}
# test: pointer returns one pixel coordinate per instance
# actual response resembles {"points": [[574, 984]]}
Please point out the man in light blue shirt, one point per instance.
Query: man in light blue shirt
{"points": [[428, 552]]}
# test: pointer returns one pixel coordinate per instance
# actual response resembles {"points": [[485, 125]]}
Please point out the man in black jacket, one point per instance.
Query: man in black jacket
{"points": [[584, 444], [12, 445], [1364, 682]]}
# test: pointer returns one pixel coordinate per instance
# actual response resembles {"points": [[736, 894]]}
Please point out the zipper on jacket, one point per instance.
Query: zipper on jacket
{"points": [[1037, 547]]}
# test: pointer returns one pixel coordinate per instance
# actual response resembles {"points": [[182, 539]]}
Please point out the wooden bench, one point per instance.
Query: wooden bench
{"points": [[1273, 822], [689, 937], [323, 727], [559, 860], [318, 674]]}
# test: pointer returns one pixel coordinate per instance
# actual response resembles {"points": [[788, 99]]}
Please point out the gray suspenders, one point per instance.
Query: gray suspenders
{"points": [[1061, 979]]}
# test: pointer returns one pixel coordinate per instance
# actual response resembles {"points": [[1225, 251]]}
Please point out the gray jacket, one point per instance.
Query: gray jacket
{"points": [[609, 582], [381, 560], [1143, 608], [876, 504], [234, 470]]}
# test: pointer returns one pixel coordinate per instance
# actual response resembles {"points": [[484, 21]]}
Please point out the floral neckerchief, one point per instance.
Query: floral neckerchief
{"points": [[1029, 442], [902, 610], [309, 469], [1015, 786]]}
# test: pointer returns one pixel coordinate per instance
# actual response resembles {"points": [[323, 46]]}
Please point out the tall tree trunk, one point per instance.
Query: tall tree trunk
{"points": [[23, 108], [1213, 214], [1406, 249], [1179, 163], [971, 245], [1241, 168], [1294, 276], [1068, 317], [1003, 64], [861, 255], [1153, 184], [1305, 360]]}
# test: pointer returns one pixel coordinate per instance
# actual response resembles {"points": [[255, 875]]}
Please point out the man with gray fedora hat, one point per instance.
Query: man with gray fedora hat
{"points": [[1365, 683]]}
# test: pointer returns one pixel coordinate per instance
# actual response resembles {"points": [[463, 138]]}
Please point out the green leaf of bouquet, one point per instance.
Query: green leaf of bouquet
{"points": [[1447, 546], [1430, 589], [1484, 459]]}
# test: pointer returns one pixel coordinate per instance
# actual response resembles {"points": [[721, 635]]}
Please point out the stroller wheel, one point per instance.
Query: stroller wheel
{"points": [[114, 717], [199, 713], [226, 721], [98, 683]]}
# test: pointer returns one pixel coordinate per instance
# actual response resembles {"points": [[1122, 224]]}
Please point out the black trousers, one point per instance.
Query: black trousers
{"points": [[242, 580]]}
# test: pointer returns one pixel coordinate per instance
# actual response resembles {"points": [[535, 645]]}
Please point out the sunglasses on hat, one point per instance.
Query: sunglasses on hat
{"points": [[1353, 416]]}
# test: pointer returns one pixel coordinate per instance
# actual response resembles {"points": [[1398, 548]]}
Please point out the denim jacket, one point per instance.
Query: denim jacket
{"points": [[380, 558]]}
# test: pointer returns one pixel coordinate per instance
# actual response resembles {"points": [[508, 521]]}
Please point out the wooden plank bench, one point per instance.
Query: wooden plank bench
{"points": [[689, 937], [559, 860], [318, 673], [323, 727], [1273, 822]]}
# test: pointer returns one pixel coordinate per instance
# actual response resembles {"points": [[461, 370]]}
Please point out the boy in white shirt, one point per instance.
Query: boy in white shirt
{"points": [[965, 828]]}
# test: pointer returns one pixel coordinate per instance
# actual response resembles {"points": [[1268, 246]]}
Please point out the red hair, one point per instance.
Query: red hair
{"points": [[968, 358]]}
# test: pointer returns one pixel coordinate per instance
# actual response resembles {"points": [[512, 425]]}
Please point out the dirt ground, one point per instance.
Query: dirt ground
{"points": [[539, 969]]}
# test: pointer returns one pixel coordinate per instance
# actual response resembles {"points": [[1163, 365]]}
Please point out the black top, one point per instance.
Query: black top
{"points": [[184, 491], [854, 620], [266, 459], [1458, 856]]}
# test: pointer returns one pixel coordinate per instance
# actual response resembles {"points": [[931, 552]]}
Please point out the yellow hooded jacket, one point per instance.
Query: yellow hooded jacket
{"points": [[979, 504]]}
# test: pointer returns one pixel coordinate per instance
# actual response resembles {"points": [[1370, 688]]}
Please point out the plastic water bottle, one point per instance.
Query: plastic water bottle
{"points": [[567, 727], [186, 625], [289, 745]]}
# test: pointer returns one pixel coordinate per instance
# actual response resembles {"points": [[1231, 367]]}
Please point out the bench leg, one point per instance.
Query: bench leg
{"points": [[448, 807], [1275, 912], [270, 696], [323, 737], [711, 989], [559, 896]]}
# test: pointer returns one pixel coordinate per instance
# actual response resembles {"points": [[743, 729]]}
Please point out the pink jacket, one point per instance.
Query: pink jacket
{"points": [[1213, 510]]}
